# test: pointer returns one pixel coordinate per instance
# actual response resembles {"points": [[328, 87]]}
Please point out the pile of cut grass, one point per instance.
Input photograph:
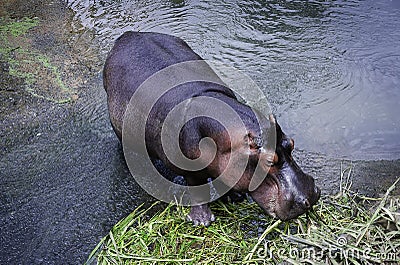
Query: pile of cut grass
{"points": [[345, 229]]}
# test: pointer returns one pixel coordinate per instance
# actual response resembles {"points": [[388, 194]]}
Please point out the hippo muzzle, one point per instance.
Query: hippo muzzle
{"points": [[286, 192]]}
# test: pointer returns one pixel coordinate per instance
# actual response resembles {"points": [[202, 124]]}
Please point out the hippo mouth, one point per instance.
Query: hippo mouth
{"points": [[278, 201], [287, 208], [276, 196], [269, 201]]}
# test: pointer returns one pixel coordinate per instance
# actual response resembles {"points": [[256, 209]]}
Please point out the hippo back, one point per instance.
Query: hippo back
{"points": [[134, 58]]}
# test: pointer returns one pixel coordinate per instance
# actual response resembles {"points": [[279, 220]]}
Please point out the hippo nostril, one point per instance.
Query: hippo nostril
{"points": [[303, 203], [306, 204]]}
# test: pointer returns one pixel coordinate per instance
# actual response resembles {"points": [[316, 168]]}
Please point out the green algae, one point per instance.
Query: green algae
{"points": [[17, 28], [42, 78]]}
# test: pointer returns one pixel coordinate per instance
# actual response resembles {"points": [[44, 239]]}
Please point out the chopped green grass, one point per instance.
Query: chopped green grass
{"points": [[344, 229]]}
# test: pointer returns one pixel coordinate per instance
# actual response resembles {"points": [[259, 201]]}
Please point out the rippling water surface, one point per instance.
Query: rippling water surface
{"points": [[330, 69]]}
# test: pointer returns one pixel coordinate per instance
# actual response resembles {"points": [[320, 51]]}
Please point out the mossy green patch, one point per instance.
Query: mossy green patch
{"points": [[42, 78], [17, 28]]}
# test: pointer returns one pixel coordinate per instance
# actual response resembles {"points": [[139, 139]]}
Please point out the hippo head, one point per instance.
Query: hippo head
{"points": [[284, 190]]}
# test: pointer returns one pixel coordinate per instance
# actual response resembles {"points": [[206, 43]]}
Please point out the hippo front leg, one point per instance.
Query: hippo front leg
{"points": [[201, 215]]}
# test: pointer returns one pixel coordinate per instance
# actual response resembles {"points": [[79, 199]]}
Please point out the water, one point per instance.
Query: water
{"points": [[63, 180], [330, 70]]}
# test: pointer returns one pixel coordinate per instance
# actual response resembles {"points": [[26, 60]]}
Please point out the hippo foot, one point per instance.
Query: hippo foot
{"points": [[201, 215]]}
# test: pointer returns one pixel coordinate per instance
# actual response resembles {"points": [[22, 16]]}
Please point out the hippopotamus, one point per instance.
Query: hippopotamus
{"points": [[283, 192]]}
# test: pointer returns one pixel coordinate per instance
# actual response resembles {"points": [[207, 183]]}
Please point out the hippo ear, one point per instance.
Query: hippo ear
{"points": [[272, 119], [272, 132], [272, 122]]}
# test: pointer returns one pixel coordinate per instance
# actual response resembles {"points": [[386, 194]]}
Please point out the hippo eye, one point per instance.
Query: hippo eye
{"points": [[253, 142], [258, 142]]}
